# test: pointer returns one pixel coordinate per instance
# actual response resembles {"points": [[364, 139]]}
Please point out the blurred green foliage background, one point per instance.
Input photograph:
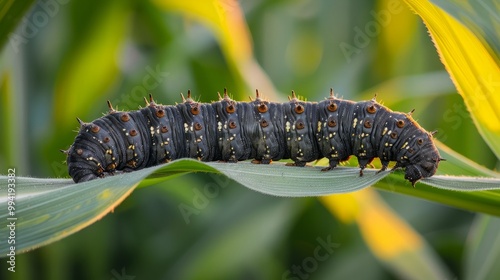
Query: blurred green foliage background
{"points": [[68, 57]]}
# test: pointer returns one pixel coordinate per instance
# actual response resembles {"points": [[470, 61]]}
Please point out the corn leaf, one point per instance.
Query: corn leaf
{"points": [[50, 209], [483, 249], [227, 22], [80, 74], [469, 60], [480, 16], [389, 237]]}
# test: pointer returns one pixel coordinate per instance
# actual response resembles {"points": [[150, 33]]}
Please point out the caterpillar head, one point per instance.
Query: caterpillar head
{"points": [[424, 160]]}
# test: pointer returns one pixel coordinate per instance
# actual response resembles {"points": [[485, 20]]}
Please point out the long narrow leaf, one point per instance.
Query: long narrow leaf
{"points": [[108, 31], [483, 249], [227, 21], [50, 209], [389, 237], [460, 169], [473, 69], [480, 16]]}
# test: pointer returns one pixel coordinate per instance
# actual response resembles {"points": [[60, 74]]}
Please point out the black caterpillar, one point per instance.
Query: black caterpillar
{"points": [[231, 131]]}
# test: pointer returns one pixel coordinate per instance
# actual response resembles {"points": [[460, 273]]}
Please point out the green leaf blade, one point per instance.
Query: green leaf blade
{"points": [[51, 209], [60, 208], [462, 183], [281, 180], [480, 16], [483, 249]]}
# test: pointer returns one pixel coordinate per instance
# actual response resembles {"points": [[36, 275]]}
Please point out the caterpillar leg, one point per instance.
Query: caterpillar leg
{"points": [[297, 163], [85, 178], [398, 165], [231, 159], [384, 168], [333, 163], [385, 163], [363, 162], [262, 161]]}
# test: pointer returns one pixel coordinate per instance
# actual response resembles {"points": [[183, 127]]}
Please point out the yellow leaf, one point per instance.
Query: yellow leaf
{"points": [[385, 233], [396, 37], [474, 71], [90, 69], [388, 236], [226, 19]]}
